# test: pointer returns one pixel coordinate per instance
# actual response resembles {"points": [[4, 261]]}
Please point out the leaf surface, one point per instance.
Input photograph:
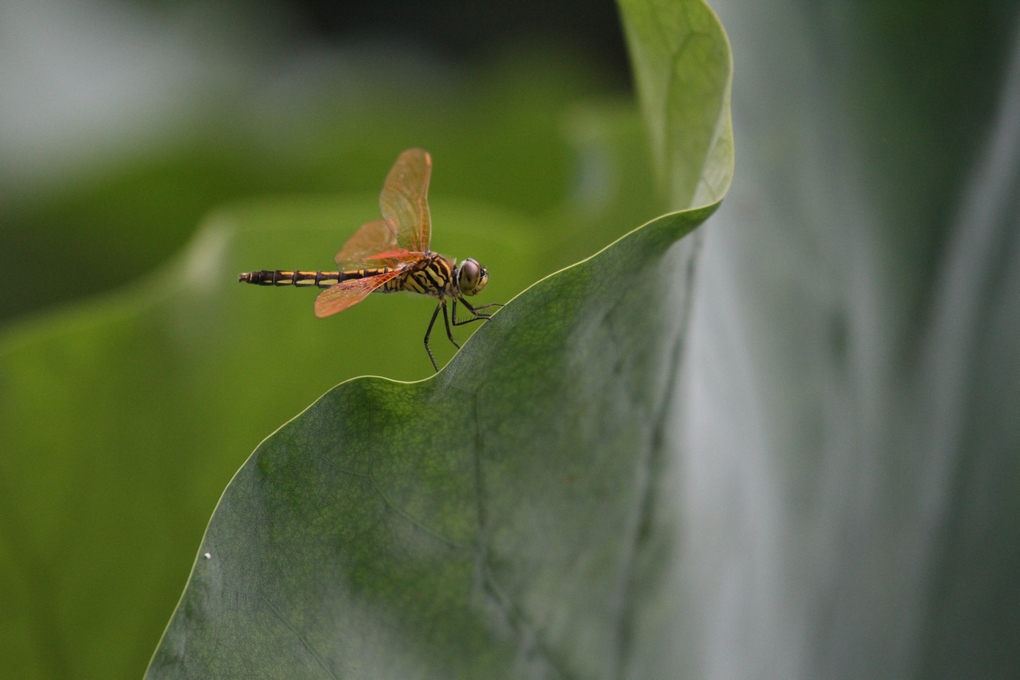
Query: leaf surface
{"points": [[477, 524]]}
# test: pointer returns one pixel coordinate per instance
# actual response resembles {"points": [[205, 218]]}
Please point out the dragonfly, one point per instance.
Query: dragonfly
{"points": [[392, 255]]}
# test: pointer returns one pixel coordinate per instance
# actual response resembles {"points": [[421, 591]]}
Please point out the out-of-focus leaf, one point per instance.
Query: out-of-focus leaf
{"points": [[682, 67], [846, 492]]}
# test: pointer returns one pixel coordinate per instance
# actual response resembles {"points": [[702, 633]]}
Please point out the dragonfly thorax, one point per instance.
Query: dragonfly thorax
{"points": [[470, 277]]}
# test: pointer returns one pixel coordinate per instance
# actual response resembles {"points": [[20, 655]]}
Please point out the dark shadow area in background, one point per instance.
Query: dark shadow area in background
{"points": [[464, 31]]}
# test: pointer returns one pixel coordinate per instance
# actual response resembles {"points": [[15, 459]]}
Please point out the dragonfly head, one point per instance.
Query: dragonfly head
{"points": [[471, 277]]}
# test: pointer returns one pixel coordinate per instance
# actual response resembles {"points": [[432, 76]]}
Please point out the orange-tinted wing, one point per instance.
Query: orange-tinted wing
{"points": [[366, 244], [349, 293], [404, 200], [373, 245]]}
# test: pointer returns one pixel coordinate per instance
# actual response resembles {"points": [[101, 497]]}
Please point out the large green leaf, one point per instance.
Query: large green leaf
{"points": [[491, 521], [479, 524]]}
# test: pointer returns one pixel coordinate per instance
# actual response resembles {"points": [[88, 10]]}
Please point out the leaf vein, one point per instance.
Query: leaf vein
{"points": [[414, 522], [297, 634]]}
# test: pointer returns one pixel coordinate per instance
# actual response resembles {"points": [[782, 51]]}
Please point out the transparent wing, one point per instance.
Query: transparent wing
{"points": [[366, 244], [349, 293], [404, 200]]}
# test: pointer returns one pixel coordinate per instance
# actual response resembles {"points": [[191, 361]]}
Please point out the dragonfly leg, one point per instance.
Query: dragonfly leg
{"points": [[428, 334], [466, 322], [449, 331], [474, 310]]}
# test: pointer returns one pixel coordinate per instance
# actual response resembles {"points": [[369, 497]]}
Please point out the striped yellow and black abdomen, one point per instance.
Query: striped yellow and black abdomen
{"points": [[433, 276], [306, 279]]}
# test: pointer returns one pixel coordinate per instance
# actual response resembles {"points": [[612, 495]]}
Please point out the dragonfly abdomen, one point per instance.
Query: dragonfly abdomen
{"points": [[301, 279], [298, 279]]}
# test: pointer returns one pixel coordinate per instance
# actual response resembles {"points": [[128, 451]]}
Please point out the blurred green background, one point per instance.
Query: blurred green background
{"points": [[126, 123]]}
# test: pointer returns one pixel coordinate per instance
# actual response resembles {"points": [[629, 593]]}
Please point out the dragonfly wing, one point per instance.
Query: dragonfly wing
{"points": [[404, 200], [349, 293], [367, 244]]}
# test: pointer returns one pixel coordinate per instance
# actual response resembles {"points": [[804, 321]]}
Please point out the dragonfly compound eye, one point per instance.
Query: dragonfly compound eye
{"points": [[473, 277]]}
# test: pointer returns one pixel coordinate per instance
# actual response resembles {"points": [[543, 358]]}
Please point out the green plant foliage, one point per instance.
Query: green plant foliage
{"points": [[682, 67], [489, 522]]}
